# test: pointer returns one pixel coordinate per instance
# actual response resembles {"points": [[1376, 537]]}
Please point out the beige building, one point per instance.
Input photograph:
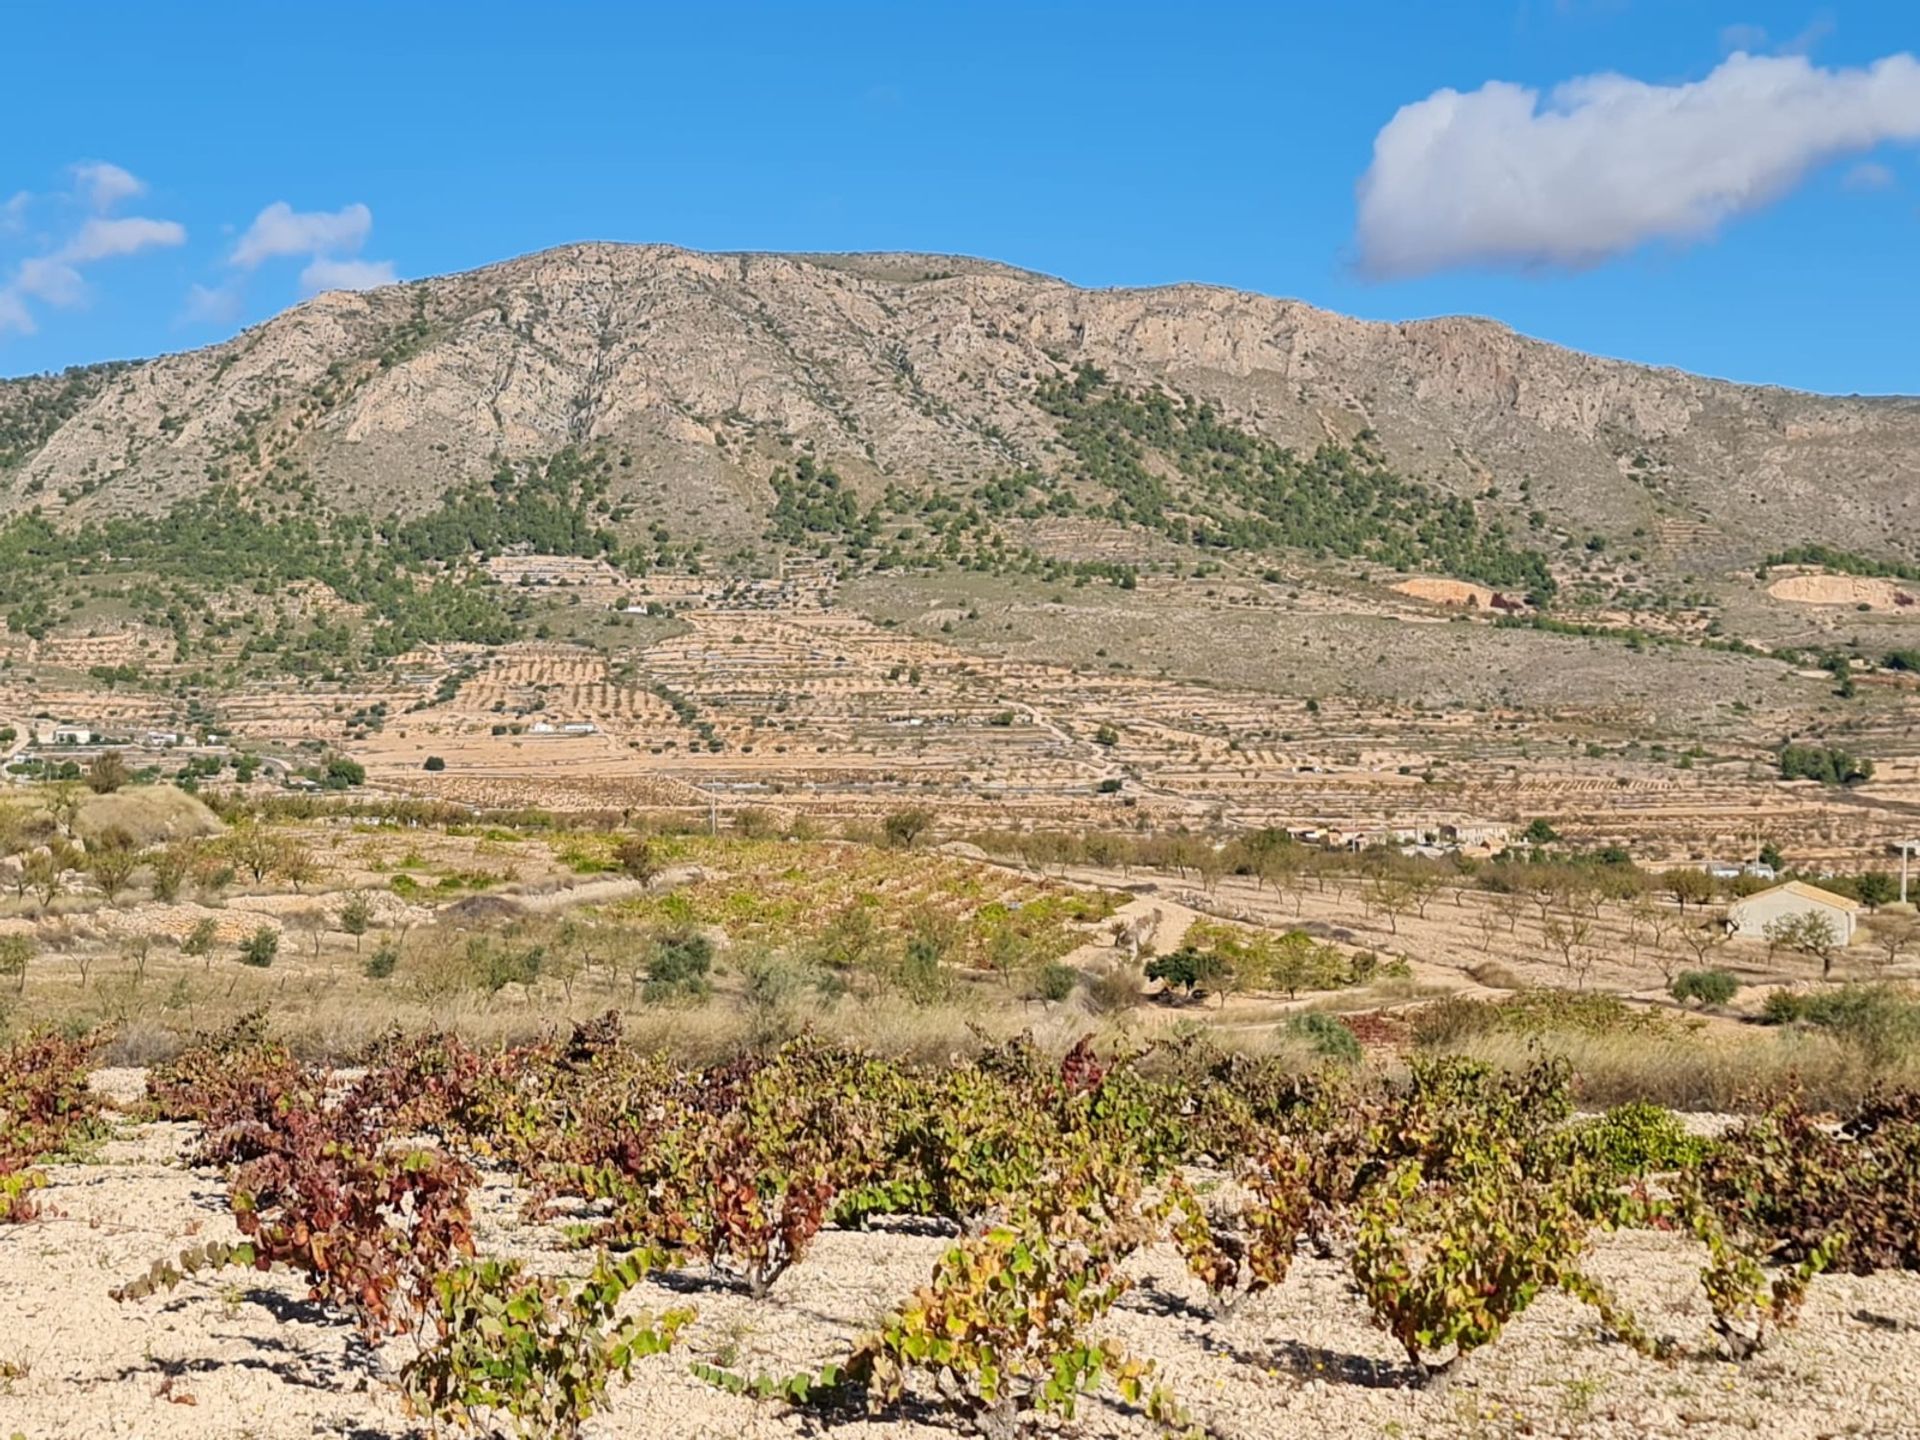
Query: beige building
{"points": [[1751, 916]]}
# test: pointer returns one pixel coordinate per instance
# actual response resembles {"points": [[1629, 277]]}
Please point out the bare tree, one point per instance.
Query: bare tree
{"points": [[1812, 935], [1388, 895], [1894, 935]]}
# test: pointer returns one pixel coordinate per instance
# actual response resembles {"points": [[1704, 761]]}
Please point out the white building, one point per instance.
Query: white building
{"points": [[1751, 916]]}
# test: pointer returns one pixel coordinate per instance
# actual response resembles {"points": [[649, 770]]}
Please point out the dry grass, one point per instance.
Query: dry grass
{"points": [[1729, 1069]]}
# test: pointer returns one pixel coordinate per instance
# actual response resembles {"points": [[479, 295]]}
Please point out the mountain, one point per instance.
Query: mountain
{"points": [[709, 374]]}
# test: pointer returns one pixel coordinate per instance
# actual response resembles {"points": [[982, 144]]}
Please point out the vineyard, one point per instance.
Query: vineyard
{"points": [[1169, 1240]]}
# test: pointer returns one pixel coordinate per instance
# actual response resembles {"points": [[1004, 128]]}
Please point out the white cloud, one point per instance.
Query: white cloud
{"points": [[55, 277], [49, 278], [103, 185], [15, 318], [1755, 38], [1494, 177], [1869, 175], [327, 274], [212, 305], [281, 230], [104, 239]]}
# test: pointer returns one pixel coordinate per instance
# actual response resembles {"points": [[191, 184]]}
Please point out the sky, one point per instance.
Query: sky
{"points": [[1731, 188]]}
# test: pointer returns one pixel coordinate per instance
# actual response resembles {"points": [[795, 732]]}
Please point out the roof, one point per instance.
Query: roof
{"points": [[1804, 891]]}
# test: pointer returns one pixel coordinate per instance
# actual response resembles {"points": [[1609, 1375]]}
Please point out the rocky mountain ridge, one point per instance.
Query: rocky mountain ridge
{"points": [[706, 371]]}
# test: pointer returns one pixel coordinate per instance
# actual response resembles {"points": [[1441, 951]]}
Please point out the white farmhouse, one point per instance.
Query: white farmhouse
{"points": [[1751, 916]]}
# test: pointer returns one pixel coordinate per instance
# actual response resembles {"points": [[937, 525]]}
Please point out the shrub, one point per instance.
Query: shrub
{"points": [[434, 763], [200, 940], [535, 1350], [905, 827], [1328, 1036], [260, 948], [1054, 982], [1113, 989], [678, 965], [1631, 1140], [1005, 1325], [1709, 987], [1882, 1020], [383, 961], [634, 857], [107, 773]]}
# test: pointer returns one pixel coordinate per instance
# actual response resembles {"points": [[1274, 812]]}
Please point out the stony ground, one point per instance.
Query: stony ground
{"points": [[239, 1354]]}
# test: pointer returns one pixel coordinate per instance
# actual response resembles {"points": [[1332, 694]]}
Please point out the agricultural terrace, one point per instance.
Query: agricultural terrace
{"points": [[1182, 701]]}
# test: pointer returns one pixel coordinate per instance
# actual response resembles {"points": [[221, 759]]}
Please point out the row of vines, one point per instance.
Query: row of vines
{"points": [[1455, 1194]]}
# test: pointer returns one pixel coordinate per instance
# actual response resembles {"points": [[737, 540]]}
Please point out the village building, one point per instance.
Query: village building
{"points": [[1750, 917]]}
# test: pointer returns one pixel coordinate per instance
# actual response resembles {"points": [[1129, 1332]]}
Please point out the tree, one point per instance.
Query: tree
{"points": [[1648, 919], [1874, 888], [1771, 857], [169, 866], [1810, 934], [1186, 967], [16, 951], [636, 858], [678, 965], [107, 773], [382, 962], [1539, 832], [1422, 885], [435, 764], [1894, 934], [905, 827], [1389, 895], [1689, 884], [1703, 937], [1486, 920], [256, 849], [1571, 935], [46, 867], [342, 773], [1296, 962], [112, 858], [296, 864], [356, 917], [260, 948], [200, 940], [63, 804]]}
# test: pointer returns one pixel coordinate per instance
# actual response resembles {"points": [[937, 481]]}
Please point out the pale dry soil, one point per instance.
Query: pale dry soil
{"points": [[241, 1354]]}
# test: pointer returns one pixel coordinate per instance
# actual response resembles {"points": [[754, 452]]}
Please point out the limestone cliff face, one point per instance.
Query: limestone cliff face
{"points": [[707, 370]]}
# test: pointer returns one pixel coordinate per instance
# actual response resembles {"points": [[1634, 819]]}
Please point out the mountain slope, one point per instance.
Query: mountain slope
{"points": [[705, 373]]}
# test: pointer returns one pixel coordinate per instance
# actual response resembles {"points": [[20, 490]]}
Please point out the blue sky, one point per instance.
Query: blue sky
{"points": [[1760, 224]]}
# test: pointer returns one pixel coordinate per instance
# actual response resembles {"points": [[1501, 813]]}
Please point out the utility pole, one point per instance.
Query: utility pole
{"points": [[1907, 847]]}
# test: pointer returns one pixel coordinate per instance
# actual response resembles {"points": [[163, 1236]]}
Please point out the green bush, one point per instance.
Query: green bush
{"points": [[1054, 982], [1633, 1139], [1186, 967], [678, 966], [1882, 1020], [1327, 1036], [260, 948], [1709, 987], [381, 963]]}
